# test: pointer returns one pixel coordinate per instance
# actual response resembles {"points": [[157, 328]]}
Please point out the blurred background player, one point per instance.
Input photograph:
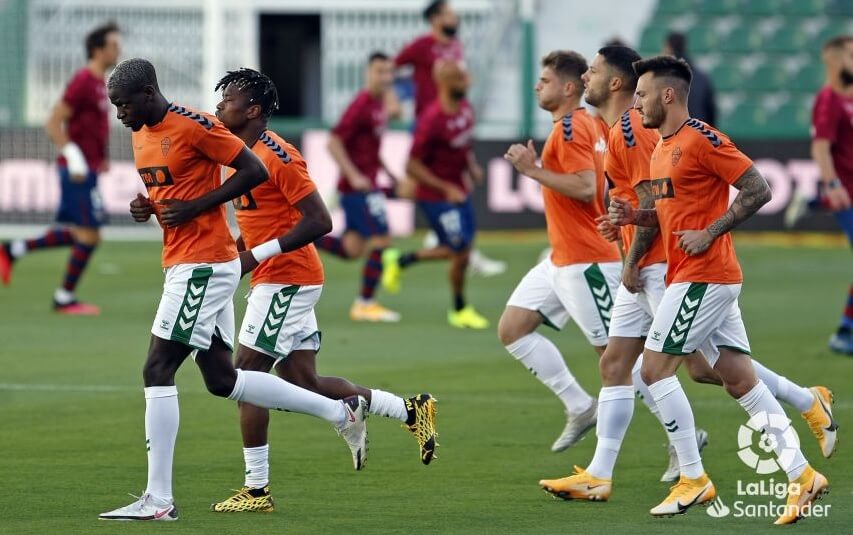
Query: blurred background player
{"points": [[444, 167], [202, 270], [832, 151], [578, 280], [702, 103], [441, 43], [354, 145], [79, 127], [278, 221]]}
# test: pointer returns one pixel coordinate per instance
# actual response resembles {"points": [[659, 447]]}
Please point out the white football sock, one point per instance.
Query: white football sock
{"points": [[759, 400], [257, 466], [643, 390], [271, 392], [541, 356], [162, 417], [17, 248], [797, 396], [387, 404], [677, 417], [615, 407]]}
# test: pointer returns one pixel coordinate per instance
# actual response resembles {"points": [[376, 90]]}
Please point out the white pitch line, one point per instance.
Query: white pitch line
{"points": [[41, 387]]}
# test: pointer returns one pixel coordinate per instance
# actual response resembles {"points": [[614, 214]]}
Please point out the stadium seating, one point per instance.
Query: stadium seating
{"points": [[763, 56]]}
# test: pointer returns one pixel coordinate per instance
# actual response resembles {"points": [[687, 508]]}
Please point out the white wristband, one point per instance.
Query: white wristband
{"points": [[266, 250], [74, 159]]}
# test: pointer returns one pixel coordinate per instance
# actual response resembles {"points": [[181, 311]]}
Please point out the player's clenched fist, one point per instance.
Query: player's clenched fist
{"points": [[521, 157], [606, 229], [694, 242], [621, 212], [141, 208]]}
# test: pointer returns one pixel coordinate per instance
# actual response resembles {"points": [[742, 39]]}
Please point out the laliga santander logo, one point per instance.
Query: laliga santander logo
{"points": [[718, 509], [758, 443]]}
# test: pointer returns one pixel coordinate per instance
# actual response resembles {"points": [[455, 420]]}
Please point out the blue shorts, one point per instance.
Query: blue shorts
{"points": [[80, 203], [453, 223], [845, 219], [365, 213]]}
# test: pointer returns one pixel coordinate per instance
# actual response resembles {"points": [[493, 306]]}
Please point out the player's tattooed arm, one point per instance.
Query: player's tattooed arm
{"points": [[754, 193], [646, 234]]}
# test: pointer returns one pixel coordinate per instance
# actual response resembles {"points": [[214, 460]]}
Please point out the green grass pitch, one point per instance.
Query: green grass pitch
{"points": [[72, 438]]}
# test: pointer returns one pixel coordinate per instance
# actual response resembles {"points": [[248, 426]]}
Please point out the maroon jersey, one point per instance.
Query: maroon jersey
{"points": [[442, 142], [360, 130], [832, 119], [422, 54], [88, 126]]}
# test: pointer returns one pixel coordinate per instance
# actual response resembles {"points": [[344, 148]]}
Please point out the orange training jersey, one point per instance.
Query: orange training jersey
{"points": [[576, 143], [629, 148], [269, 210], [692, 170], [179, 158]]}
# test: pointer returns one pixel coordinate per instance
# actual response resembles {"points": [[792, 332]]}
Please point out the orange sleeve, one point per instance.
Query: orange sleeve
{"points": [[725, 161], [639, 157], [577, 153], [217, 143], [614, 158], [292, 178]]}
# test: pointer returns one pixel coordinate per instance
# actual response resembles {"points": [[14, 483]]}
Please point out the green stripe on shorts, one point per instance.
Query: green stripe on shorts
{"points": [[600, 293], [274, 320], [674, 343], [191, 305]]}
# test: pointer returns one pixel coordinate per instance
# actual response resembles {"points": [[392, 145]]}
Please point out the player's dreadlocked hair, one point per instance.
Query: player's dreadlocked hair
{"points": [[256, 85], [133, 74]]}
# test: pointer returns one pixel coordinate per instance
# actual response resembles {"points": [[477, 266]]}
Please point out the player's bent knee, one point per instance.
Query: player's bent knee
{"points": [[614, 369], [516, 323], [220, 386], [251, 360]]}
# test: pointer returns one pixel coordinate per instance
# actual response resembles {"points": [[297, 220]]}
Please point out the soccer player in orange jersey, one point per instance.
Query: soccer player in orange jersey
{"points": [[279, 220], [179, 153], [610, 82], [579, 279], [691, 170]]}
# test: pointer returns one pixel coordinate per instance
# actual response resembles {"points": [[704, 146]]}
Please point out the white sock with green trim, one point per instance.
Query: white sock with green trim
{"points": [[799, 397], [539, 355], [387, 404], [760, 400], [257, 466], [162, 417], [271, 392], [677, 416]]}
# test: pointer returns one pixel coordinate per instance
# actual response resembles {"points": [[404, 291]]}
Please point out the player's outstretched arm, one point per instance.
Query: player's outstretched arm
{"points": [[579, 186], [315, 223], [754, 193], [250, 172]]}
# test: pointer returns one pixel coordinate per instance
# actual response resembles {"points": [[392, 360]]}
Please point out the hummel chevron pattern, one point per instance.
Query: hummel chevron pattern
{"points": [[702, 129], [200, 119], [627, 131], [672, 426], [684, 319], [567, 127], [275, 147], [600, 293], [279, 305], [193, 298]]}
